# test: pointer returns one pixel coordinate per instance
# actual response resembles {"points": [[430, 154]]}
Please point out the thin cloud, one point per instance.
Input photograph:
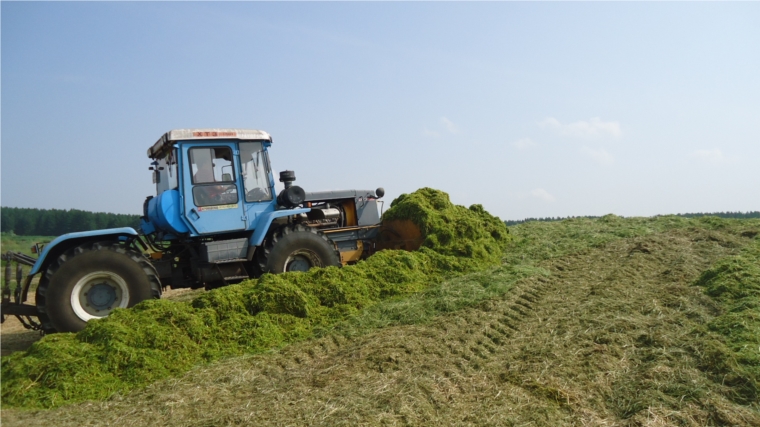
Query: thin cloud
{"points": [[600, 156], [523, 143], [550, 122], [592, 128], [449, 125], [541, 194]]}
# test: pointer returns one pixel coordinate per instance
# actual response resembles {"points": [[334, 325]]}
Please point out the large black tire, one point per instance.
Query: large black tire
{"points": [[87, 282], [297, 248]]}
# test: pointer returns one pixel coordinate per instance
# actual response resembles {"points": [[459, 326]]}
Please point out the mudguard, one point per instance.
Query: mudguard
{"points": [[77, 237], [264, 220]]}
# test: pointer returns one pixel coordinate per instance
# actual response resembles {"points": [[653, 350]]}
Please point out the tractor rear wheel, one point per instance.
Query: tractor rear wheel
{"points": [[297, 248], [89, 281]]}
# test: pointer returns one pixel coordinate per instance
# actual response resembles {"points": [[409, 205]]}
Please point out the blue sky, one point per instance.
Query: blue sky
{"points": [[531, 109]]}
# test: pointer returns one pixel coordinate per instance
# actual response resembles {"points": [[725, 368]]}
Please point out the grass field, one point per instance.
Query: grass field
{"points": [[23, 244], [612, 321]]}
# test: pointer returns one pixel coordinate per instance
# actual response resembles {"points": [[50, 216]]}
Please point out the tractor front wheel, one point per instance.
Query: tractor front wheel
{"points": [[297, 248], [90, 281]]}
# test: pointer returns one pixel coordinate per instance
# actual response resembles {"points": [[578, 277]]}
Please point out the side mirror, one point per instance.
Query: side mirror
{"points": [[226, 177]]}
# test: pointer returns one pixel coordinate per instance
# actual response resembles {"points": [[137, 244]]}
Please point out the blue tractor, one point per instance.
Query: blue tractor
{"points": [[215, 220]]}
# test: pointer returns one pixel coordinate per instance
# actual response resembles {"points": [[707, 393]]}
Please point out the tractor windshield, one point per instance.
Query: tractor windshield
{"points": [[255, 169]]}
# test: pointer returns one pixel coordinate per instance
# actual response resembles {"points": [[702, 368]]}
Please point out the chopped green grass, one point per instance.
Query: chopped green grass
{"points": [[604, 335], [468, 256], [157, 339], [730, 344], [445, 297], [613, 337]]}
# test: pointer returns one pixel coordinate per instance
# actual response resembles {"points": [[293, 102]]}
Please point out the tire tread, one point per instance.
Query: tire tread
{"points": [[275, 236], [42, 288]]}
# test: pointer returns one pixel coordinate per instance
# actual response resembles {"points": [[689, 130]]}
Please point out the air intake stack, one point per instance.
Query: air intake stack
{"points": [[292, 195]]}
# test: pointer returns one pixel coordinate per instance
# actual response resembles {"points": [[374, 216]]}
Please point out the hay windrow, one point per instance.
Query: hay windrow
{"points": [[158, 339], [729, 348], [570, 330]]}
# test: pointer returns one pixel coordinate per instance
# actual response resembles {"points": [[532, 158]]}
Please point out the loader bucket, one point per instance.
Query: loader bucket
{"points": [[399, 234]]}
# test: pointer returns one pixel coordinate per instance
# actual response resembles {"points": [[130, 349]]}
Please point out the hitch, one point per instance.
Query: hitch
{"points": [[16, 306]]}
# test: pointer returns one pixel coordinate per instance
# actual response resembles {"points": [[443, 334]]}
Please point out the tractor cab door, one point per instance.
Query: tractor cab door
{"points": [[212, 197], [258, 182]]}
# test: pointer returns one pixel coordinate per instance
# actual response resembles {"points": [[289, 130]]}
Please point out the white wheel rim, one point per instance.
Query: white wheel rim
{"points": [[96, 294], [301, 257]]}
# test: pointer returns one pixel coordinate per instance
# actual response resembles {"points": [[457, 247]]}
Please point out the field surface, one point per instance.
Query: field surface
{"points": [[12, 242], [587, 322]]}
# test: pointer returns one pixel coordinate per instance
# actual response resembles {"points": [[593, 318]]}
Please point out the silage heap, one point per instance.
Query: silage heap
{"points": [[160, 338]]}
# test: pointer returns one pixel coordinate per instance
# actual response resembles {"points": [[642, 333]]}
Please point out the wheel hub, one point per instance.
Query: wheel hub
{"points": [[302, 260], [96, 294], [101, 296], [299, 263]]}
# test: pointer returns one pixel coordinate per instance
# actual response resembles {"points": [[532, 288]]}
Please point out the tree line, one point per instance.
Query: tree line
{"points": [[739, 215], [54, 222], [548, 218]]}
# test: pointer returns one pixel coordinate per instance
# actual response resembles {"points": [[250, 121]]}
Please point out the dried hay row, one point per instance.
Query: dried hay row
{"points": [[607, 339]]}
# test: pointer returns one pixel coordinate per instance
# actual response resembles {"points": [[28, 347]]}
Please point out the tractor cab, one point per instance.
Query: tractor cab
{"points": [[209, 181], [216, 219]]}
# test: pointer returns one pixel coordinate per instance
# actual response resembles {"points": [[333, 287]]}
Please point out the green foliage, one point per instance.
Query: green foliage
{"points": [[54, 222], [730, 347], [468, 257], [444, 297], [23, 244], [450, 229], [736, 215], [531, 244], [157, 339]]}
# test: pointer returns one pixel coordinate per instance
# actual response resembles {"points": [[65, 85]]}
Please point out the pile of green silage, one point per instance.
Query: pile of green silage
{"points": [[159, 338], [729, 347], [468, 234]]}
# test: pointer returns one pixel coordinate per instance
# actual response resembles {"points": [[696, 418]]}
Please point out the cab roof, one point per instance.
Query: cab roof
{"points": [[169, 138]]}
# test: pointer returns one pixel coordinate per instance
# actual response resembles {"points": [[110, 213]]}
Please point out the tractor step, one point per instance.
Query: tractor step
{"points": [[236, 278], [227, 261]]}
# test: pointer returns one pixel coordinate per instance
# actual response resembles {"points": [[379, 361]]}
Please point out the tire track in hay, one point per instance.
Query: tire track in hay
{"points": [[603, 342], [490, 326], [614, 348]]}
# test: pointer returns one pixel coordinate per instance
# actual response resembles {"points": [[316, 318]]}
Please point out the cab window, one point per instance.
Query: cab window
{"points": [[254, 166], [213, 176]]}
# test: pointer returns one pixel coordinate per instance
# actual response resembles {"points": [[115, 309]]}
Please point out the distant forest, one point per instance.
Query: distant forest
{"points": [[54, 222], [754, 214]]}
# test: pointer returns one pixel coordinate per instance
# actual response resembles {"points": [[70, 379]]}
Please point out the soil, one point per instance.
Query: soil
{"points": [[13, 336]]}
